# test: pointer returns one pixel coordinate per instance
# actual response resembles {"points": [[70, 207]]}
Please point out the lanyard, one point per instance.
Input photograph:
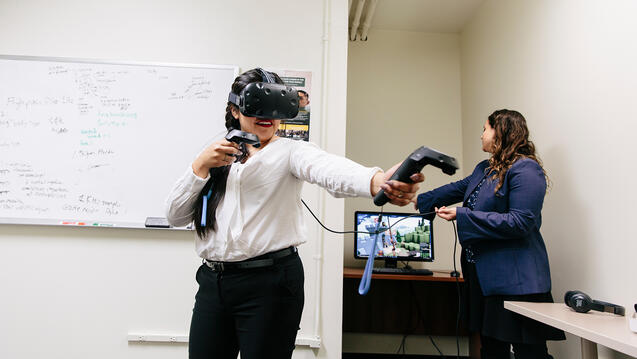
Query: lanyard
{"points": [[204, 207], [366, 280]]}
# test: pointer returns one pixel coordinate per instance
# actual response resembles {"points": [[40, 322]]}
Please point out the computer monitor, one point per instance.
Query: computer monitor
{"points": [[406, 238]]}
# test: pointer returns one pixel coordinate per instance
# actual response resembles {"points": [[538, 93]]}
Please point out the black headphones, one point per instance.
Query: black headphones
{"points": [[582, 303]]}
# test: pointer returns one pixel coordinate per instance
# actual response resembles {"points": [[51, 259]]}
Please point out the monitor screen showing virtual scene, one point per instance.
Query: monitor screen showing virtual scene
{"points": [[405, 238]]}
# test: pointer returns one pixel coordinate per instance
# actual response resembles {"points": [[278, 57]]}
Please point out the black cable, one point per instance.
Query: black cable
{"points": [[402, 345], [455, 244], [347, 232], [408, 331], [421, 317], [404, 218], [434, 343]]}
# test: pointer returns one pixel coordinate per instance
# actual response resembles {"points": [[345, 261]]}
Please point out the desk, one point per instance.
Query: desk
{"points": [[593, 327], [438, 276], [402, 304]]}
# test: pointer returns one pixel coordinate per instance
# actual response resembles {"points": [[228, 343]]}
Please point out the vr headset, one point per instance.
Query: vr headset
{"points": [[267, 99]]}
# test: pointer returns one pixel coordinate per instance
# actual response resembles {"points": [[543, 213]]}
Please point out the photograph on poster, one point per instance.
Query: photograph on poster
{"points": [[298, 128]]}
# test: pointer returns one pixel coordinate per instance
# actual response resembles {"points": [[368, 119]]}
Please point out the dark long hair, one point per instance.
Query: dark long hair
{"points": [[219, 175], [510, 143]]}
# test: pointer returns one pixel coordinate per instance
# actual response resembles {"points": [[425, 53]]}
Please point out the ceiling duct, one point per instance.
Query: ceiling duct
{"points": [[356, 29]]}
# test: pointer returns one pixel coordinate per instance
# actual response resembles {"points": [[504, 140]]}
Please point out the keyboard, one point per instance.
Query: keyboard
{"points": [[382, 270]]}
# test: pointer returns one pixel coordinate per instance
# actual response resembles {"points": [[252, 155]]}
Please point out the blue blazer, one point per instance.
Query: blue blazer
{"points": [[503, 229]]}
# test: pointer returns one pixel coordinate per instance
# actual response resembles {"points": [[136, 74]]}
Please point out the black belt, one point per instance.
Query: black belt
{"points": [[261, 261]]}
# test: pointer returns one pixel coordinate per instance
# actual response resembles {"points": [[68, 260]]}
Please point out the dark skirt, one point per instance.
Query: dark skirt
{"points": [[486, 314]]}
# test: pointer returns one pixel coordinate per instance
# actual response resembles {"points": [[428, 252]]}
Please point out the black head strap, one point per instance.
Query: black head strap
{"points": [[266, 76], [608, 307], [234, 98]]}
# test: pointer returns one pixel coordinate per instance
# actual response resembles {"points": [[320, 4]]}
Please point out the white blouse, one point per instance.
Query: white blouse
{"points": [[261, 210]]}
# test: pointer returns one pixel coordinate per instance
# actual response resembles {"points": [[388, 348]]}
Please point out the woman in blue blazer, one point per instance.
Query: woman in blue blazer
{"points": [[504, 256]]}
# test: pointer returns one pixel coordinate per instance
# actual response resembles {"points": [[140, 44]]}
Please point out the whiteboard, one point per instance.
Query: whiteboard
{"points": [[101, 144]]}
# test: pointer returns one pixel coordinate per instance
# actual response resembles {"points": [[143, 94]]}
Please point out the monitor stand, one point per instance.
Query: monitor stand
{"points": [[391, 267], [391, 263]]}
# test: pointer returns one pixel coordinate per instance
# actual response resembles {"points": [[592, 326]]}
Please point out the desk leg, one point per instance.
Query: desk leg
{"points": [[589, 349]]}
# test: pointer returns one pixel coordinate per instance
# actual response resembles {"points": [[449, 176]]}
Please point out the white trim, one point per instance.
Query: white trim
{"points": [[312, 342], [157, 338]]}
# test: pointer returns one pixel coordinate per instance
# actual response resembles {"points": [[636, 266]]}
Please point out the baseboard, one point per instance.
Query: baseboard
{"points": [[388, 356]]}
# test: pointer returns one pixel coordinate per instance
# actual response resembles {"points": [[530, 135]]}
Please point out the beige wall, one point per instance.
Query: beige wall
{"points": [[571, 68], [403, 91]]}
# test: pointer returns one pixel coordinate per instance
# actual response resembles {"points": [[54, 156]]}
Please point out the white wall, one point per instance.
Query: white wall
{"points": [[75, 292], [570, 67], [403, 92]]}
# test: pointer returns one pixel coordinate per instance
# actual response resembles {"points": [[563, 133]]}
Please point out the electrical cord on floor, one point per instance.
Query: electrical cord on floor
{"points": [[421, 318], [408, 332], [402, 345], [435, 346], [412, 300]]}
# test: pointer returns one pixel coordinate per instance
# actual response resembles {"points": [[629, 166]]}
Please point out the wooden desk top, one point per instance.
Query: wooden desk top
{"points": [[606, 329], [438, 276]]}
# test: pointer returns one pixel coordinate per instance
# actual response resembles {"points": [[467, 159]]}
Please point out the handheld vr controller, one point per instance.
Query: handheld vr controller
{"points": [[240, 137], [414, 163]]}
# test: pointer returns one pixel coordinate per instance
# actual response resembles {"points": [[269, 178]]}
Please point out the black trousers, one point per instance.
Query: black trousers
{"points": [[253, 311], [496, 349]]}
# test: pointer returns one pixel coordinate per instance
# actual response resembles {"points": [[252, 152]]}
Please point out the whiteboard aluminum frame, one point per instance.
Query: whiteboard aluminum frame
{"points": [[84, 224], [111, 62]]}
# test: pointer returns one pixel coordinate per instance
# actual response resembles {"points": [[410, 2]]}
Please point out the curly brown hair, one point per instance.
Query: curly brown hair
{"points": [[510, 143]]}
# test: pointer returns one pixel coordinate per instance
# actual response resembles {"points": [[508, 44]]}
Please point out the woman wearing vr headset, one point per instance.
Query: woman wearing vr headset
{"points": [[504, 256], [245, 202]]}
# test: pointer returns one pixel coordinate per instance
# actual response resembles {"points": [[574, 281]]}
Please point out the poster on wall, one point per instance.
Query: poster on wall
{"points": [[298, 128]]}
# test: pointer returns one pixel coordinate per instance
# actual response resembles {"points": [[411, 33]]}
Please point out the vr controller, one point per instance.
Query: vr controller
{"points": [[414, 163], [239, 137]]}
